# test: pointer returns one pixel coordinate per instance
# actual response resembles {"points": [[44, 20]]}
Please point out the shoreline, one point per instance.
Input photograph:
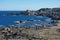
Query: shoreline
{"points": [[27, 33]]}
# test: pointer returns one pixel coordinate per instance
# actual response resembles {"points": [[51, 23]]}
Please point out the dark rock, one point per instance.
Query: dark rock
{"points": [[58, 30], [53, 13]]}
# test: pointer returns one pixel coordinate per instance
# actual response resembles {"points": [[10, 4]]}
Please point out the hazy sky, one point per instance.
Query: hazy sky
{"points": [[28, 4]]}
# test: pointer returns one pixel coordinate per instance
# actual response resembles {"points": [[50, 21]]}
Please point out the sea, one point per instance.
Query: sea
{"points": [[11, 20]]}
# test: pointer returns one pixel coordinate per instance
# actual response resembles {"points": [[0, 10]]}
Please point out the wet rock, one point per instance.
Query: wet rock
{"points": [[20, 22]]}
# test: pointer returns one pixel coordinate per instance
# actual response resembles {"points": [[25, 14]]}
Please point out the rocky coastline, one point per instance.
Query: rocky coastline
{"points": [[33, 33], [53, 13], [30, 33]]}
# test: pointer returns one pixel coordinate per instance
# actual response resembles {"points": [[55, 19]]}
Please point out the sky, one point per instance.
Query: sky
{"points": [[28, 4]]}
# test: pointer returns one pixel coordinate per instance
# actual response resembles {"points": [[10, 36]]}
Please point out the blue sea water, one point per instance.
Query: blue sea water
{"points": [[10, 20]]}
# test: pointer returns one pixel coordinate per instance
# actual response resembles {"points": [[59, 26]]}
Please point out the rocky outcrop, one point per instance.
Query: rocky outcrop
{"points": [[53, 13], [30, 12], [19, 22]]}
